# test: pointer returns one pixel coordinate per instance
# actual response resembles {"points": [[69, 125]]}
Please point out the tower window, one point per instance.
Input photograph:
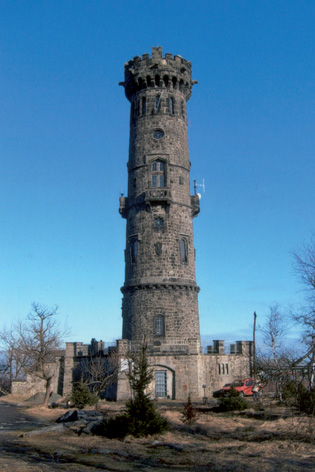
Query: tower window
{"points": [[171, 105], [159, 325], [160, 383], [143, 106], [158, 103], [158, 222], [158, 174], [133, 250], [182, 107], [183, 249]]}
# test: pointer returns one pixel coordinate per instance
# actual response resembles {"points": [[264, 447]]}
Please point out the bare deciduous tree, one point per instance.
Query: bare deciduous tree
{"points": [[304, 265], [274, 330], [31, 347], [40, 341], [273, 360], [100, 372], [12, 359]]}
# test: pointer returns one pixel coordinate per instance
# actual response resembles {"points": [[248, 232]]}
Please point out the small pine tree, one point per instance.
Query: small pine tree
{"points": [[189, 414], [141, 412], [82, 396], [141, 417], [233, 402], [296, 394], [306, 400]]}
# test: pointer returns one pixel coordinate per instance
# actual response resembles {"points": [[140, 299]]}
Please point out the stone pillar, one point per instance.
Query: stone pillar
{"points": [[68, 368]]}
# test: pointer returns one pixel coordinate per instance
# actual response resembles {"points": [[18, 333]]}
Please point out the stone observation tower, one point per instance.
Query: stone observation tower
{"points": [[160, 294]]}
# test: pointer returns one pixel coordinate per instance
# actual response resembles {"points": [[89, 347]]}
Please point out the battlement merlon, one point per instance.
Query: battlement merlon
{"points": [[169, 72]]}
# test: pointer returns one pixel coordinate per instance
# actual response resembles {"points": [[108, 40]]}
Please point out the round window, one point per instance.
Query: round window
{"points": [[158, 134]]}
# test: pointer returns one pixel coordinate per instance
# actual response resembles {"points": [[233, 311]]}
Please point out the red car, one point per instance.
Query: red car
{"points": [[244, 387]]}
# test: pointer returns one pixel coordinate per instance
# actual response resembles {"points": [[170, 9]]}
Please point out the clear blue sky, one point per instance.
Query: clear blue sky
{"points": [[64, 148]]}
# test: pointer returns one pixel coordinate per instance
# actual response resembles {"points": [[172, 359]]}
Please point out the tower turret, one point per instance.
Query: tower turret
{"points": [[160, 294]]}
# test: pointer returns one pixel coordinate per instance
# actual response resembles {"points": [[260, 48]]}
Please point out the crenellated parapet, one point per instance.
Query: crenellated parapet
{"points": [[158, 72]]}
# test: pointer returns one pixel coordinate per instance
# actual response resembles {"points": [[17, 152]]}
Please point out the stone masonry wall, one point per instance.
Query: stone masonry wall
{"points": [[177, 305]]}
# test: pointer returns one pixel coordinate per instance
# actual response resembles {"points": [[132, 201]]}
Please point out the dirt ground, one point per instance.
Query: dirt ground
{"points": [[278, 440]]}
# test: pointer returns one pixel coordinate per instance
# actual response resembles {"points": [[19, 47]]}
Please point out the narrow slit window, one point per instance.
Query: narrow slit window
{"points": [[158, 103], [133, 250], [159, 325], [143, 106], [183, 248], [182, 108], [171, 105]]}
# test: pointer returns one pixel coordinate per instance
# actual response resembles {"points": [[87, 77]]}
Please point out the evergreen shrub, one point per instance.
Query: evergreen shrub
{"points": [[141, 417], [234, 402], [189, 413], [82, 396]]}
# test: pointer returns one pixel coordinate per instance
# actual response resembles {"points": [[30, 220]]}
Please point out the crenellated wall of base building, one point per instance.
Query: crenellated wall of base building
{"points": [[176, 375], [198, 375]]}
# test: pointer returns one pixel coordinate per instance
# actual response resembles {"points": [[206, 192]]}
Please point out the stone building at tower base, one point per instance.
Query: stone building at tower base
{"points": [[178, 374]]}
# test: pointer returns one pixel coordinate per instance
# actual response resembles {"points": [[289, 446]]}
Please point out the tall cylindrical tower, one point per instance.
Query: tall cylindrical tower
{"points": [[160, 294]]}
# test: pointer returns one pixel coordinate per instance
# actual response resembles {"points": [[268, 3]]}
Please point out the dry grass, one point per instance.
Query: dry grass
{"points": [[214, 443]]}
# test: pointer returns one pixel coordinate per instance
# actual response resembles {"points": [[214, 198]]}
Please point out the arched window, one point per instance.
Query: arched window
{"points": [[171, 105], [158, 174], [133, 250], [143, 106], [159, 325], [183, 249], [158, 103], [222, 367]]}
